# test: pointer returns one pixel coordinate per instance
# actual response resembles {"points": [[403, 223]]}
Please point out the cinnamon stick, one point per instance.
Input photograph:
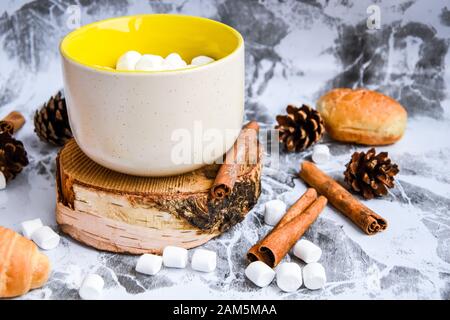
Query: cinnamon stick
{"points": [[234, 158], [369, 221], [277, 244], [16, 119], [298, 207], [291, 227]]}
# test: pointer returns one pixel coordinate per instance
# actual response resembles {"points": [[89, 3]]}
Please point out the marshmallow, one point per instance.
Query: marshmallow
{"points": [[201, 60], [149, 62], [274, 211], [289, 276], [92, 287], [204, 260], [259, 273], [128, 60], [149, 264], [45, 238], [175, 257], [2, 181], [30, 226], [307, 251], [174, 61], [321, 154], [314, 276]]}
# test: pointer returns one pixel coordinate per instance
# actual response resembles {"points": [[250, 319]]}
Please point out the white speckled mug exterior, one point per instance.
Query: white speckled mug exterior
{"points": [[125, 120]]}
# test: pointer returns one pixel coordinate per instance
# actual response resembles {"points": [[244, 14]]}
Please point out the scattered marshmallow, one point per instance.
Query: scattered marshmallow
{"points": [[175, 257], [307, 251], [92, 287], [204, 260], [201, 60], [128, 60], [321, 154], [149, 264], [45, 238], [2, 181], [259, 273], [149, 62], [289, 276], [274, 211], [314, 276], [30, 226]]}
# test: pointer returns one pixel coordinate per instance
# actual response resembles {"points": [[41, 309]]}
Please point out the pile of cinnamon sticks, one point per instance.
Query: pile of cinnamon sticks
{"points": [[272, 249]]}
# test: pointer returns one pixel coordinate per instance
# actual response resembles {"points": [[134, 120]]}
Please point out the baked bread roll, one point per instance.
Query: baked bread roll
{"points": [[362, 116], [22, 266]]}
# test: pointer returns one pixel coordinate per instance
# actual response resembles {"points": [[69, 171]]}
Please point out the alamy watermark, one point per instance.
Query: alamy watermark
{"points": [[73, 13], [374, 20], [200, 145]]}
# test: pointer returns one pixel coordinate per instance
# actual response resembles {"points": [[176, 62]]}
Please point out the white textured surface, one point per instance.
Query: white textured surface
{"points": [[286, 63]]}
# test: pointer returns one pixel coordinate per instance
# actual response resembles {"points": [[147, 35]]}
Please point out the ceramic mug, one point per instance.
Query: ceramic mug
{"points": [[138, 122]]}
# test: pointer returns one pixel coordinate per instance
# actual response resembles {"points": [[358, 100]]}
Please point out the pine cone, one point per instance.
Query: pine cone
{"points": [[13, 156], [51, 123], [370, 174], [300, 128]]}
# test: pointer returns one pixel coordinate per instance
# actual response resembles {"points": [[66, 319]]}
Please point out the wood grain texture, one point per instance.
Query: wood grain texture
{"points": [[122, 213]]}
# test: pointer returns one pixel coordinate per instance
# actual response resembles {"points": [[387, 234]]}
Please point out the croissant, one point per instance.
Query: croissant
{"points": [[22, 266]]}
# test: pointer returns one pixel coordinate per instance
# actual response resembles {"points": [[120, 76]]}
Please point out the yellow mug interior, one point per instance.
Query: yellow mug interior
{"points": [[98, 45]]}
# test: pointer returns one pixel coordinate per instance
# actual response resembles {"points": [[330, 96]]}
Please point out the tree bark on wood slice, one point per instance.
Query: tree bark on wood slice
{"points": [[121, 213]]}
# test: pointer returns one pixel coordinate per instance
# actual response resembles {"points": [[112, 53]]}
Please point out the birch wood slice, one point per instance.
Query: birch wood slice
{"points": [[122, 213]]}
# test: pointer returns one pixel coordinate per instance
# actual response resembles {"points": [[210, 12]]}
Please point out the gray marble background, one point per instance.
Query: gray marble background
{"points": [[296, 50]]}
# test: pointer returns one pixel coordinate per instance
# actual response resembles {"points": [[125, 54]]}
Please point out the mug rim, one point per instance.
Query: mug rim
{"points": [[92, 67]]}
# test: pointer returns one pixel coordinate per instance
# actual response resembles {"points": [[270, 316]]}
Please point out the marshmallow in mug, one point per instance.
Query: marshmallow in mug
{"points": [[128, 60], [133, 60], [149, 62], [201, 60]]}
